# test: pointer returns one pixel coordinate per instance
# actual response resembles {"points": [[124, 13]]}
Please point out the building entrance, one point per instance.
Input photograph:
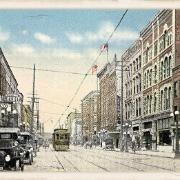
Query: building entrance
{"points": [[147, 140]]}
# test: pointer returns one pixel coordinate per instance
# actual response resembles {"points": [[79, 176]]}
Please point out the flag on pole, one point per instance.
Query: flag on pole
{"points": [[104, 47], [94, 68]]}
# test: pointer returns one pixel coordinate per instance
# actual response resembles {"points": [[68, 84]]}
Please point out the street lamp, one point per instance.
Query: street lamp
{"points": [[126, 126], [176, 115]]}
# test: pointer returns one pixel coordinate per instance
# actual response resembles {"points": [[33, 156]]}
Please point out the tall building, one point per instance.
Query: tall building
{"points": [[89, 107], [10, 98], [159, 52], [109, 84], [132, 83]]}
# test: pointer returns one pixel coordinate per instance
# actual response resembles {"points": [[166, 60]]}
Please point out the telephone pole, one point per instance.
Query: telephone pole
{"points": [[33, 99]]}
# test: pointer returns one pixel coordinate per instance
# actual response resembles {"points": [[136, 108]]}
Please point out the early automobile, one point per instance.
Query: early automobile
{"points": [[11, 153], [24, 140]]}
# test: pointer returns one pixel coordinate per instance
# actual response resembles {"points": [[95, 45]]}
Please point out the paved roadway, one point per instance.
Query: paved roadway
{"points": [[78, 159]]}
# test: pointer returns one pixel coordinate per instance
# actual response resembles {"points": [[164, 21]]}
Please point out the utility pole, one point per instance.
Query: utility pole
{"points": [[122, 104], [33, 99]]}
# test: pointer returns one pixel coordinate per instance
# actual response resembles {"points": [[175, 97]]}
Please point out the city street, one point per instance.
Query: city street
{"points": [[79, 159]]}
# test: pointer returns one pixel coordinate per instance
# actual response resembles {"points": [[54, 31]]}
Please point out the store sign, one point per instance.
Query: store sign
{"points": [[11, 98]]}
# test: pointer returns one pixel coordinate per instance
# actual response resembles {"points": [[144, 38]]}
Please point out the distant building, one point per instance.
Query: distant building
{"points": [[10, 98], [74, 126], [89, 109], [26, 117]]}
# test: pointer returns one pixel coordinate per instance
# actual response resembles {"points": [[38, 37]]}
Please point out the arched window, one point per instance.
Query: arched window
{"points": [[165, 98], [150, 104], [169, 98], [145, 81], [165, 67], [155, 102], [162, 70], [155, 74], [165, 37], [147, 78], [161, 100], [145, 102], [147, 110], [137, 84], [150, 77], [137, 64], [139, 106], [168, 66]]}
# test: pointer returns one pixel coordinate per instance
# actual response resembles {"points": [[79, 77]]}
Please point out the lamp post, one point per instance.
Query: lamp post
{"points": [[176, 119], [126, 126]]}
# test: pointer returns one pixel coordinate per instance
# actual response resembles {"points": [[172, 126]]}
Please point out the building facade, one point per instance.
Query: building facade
{"points": [[10, 97], [109, 84], [133, 89], [152, 98], [90, 121], [74, 126]]}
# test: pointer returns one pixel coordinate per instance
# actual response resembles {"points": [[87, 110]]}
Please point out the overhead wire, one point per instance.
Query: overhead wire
{"points": [[95, 61], [50, 70]]}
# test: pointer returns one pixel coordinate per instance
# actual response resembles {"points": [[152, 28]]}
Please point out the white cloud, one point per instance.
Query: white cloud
{"points": [[74, 38], [103, 32], [43, 38], [24, 32], [21, 49], [4, 36]]}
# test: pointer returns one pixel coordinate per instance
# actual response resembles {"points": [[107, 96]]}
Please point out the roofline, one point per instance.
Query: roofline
{"points": [[8, 66]]}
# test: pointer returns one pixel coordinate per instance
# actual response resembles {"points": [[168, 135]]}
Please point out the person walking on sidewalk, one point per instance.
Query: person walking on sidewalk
{"points": [[133, 143]]}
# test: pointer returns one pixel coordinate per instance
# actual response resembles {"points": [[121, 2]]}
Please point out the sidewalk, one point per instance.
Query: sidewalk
{"points": [[148, 153]]}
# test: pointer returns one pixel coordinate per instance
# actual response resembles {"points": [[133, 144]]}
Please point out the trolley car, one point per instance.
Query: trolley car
{"points": [[61, 139]]}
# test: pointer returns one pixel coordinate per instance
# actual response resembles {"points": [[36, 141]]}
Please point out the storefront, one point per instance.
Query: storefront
{"points": [[147, 135], [164, 135]]}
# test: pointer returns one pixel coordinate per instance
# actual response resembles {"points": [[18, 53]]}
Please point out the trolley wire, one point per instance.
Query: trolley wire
{"points": [[50, 70], [95, 61]]}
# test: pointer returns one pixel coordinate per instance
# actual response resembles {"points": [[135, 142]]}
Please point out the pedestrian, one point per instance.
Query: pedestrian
{"points": [[133, 143]]}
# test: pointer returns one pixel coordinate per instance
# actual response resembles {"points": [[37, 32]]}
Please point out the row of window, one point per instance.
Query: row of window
{"points": [[133, 67], [150, 75], [134, 86], [133, 111], [151, 101], [164, 41]]}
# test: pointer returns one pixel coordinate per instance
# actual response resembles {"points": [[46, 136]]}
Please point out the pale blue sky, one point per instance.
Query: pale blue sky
{"points": [[64, 40]]}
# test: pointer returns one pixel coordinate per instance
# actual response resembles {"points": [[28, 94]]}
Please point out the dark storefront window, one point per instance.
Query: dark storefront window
{"points": [[164, 137], [164, 132], [147, 125], [136, 128]]}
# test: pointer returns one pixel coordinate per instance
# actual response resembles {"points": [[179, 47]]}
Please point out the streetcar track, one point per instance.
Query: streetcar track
{"points": [[138, 169], [137, 163], [80, 157], [59, 162], [71, 163]]}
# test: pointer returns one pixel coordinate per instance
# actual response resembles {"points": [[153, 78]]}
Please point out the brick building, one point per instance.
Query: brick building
{"points": [[89, 107], [11, 99], [133, 90], [109, 84], [159, 71]]}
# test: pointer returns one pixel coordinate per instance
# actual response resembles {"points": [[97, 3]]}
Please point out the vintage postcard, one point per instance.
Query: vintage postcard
{"points": [[89, 93]]}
